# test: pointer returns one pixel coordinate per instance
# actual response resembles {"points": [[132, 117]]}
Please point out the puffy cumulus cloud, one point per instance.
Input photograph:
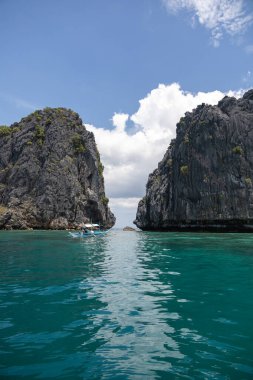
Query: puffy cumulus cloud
{"points": [[218, 16], [119, 121], [129, 203], [128, 158]]}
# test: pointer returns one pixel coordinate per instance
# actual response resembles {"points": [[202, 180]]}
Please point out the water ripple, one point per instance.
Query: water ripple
{"points": [[139, 306]]}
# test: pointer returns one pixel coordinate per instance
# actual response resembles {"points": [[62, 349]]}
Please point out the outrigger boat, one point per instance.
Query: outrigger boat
{"points": [[89, 230]]}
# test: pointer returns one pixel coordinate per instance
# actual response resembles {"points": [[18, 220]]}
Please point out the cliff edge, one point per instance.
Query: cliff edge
{"points": [[51, 176], [205, 180]]}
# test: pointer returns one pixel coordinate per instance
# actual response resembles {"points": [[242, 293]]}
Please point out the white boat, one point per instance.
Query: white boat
{"points": [[89, 230]]}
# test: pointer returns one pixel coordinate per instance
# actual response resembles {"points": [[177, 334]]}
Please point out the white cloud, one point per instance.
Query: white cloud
{"points": [[247, 80], [129, 203], [129, 158], [18, 102], [125, 210], [119, 121], [219, 16], [249, 49]]}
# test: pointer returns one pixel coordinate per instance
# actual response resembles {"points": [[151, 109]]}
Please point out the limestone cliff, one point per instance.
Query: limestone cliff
{"points": [[205, 178], [50, 173]]}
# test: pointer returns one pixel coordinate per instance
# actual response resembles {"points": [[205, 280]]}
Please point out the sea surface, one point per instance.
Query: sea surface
{"points": [[130, 305]]}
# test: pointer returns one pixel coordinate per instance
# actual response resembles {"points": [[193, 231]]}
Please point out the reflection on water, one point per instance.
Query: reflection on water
{"points": [[134, 326], [126, 306]]}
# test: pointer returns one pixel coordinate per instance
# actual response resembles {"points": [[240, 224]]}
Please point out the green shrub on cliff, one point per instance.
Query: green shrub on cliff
{"points": [[39, 135], [78, 144], [169, 162], [100, 165], [237, 150], [105, 200], [100, 168], [248, 181], [184, 169], [4, 130], [15, 129], [48, 122]]}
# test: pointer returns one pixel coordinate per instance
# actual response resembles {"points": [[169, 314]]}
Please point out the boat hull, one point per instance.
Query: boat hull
{"points": [[89, 234]]}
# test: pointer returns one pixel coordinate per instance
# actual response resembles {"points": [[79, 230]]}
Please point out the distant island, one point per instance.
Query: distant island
{"points": [[205, 180], [129, 229], [51, 175]]}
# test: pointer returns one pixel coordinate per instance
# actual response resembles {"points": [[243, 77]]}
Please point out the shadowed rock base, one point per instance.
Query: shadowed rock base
{"points": [[212, 226]]}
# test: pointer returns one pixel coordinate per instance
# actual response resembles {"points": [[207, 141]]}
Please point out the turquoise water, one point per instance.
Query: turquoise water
{"points": [[126, 306]]}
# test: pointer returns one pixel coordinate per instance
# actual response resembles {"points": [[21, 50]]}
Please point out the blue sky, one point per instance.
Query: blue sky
{"points": [[106, 60]]}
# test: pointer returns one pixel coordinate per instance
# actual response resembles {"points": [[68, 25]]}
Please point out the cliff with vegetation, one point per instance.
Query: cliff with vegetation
{"points": [[51, 176], [205, 180]]}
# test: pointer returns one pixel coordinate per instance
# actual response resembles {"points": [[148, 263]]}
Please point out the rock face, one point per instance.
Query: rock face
{"points": [[51, 176], [206, 176]]}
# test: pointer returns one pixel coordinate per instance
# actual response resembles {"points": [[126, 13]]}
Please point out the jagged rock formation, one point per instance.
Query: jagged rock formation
{"points": [[50, 173], [205, 178]]}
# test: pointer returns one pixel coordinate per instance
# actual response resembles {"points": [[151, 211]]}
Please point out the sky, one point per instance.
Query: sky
{"points": [[130, 68]]}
